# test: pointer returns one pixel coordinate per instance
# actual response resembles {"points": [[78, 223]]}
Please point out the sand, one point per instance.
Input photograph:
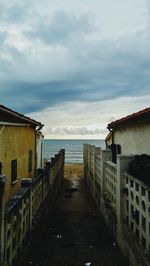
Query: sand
{"points": [[73, 170]]}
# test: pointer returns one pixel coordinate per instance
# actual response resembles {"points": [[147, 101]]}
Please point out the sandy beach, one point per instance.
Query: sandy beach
{"points": [[73, 170]]}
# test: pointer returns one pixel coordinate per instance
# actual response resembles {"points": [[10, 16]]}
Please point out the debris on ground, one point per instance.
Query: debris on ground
{"points": [[73, 244], [88, 264], [59, 236], [68, 196], [71, 189], [91, 216]]}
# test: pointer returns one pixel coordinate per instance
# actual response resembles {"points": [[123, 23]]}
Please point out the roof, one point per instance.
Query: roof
{"points": [[135, 117], [9, 115]]}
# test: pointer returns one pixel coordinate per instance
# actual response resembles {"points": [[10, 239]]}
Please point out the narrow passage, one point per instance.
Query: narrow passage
{"points": [[73, 233]]}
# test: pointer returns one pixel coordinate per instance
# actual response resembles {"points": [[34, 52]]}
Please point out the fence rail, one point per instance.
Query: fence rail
{"points": [[111, 181], [22, 209]]}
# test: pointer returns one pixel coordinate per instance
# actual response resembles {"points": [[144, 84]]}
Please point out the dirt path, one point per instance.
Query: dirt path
{"points": [[73, 233]]}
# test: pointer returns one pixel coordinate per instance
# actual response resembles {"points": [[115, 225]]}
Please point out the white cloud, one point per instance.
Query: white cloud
{"points": [[86, 120]]}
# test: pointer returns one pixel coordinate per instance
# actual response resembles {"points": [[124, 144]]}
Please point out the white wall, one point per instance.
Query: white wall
{"points": [[134, 139], [39, 146]]}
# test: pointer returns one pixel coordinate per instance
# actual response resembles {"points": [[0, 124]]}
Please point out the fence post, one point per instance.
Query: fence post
{"points": [[2, 217], [63, 162], [40, 171], [27, 182], [105, 156], [122, 166], [96, 152]]}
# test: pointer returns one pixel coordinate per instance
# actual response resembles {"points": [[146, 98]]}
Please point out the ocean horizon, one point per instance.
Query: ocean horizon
{"points": [[73, 148]]}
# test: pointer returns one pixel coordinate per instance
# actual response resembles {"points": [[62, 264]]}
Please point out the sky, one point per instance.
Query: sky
{"points": [[75, 65]]}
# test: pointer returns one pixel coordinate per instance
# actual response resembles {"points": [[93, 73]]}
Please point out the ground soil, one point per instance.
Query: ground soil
{"points": [[72, 233], [73, 170]]}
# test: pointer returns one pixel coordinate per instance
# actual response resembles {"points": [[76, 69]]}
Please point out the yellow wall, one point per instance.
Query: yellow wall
{"points": [[15, 143]]}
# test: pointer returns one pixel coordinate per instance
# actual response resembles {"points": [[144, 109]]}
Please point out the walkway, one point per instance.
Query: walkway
{"points": [[73, 234]]}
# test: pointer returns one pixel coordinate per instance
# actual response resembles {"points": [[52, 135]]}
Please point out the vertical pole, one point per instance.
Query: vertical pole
{"points": [[63, 162], [97, 151]]}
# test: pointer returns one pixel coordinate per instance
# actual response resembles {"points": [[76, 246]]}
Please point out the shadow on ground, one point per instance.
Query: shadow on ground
{"points": [[72, 233]]}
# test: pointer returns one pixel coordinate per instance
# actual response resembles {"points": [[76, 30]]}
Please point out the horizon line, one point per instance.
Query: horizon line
{"points": [[72, 139]]}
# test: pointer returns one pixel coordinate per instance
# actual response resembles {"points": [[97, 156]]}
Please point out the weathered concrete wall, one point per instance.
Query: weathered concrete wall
{"points": [[133, 139], [115, 194], [15, 143], [22, 209]]}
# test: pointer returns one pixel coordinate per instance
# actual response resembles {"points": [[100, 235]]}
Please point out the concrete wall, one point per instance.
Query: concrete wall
{"points": [[15, 143], [119, 197], [134, 139], [136, 211]]}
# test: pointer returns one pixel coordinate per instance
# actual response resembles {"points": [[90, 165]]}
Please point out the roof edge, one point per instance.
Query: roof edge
{"points": [[133, 117], [21, 116]]}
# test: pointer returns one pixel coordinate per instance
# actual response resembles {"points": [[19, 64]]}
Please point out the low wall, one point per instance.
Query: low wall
{"points": [[123, 201], [21, 211]]}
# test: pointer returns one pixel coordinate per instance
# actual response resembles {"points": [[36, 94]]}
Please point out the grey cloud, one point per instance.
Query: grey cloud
{"points": [[66, 65], [3, 36], [63, 27], [13, 13]]}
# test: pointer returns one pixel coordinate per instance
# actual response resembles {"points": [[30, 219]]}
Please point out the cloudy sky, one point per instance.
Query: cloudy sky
{"points": [[75, 65]]}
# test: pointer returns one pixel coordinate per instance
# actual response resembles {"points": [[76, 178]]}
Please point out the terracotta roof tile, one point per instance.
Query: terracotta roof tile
{"points": [[133, 117]]}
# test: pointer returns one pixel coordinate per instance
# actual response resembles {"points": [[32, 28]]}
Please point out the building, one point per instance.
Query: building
{"points": [[132, 133], [19, 152]]}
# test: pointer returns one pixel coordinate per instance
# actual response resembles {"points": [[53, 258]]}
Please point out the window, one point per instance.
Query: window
{"points": [[116, 149], [13, 170], [0, 168], [30, 162]]}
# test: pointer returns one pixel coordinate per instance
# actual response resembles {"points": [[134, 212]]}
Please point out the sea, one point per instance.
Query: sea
{"points": [[73, 148]]}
